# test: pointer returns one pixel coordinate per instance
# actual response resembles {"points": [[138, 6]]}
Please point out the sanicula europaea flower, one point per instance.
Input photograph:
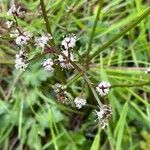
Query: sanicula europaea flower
{"points": [[42, 41], [16, 11], [22, 40], [79, 102], [104, 113], [61, 93], [103, 88], [64, 63], [48, 64], [69, 42], [20, 61]]}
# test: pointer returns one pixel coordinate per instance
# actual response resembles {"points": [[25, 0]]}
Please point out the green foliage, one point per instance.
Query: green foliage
{"points": [[31, 117], [145, 143]]}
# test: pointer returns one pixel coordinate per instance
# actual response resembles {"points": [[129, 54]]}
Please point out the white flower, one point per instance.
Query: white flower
{"points": [[9, 24], [20, 62], [79, 102], [103, 115], [42, 41], [147, 70], [47, 64], [63, 61], [22, 40], [14, 11], [69, 41], [57, 87], [61, 93], [14, 33], [103, 88]]}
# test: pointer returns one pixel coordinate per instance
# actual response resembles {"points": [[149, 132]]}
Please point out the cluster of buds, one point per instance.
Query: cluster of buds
{"points": [[68, 43], [104, 113], [61, 93], [20, 62], [42, 41], [15, 11], [64, 59], [48, 64]]}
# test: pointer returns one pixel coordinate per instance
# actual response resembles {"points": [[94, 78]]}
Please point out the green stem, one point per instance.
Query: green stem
{"points": [[93, 30], [47, 23], [131, 85], [92, 89], [85, 77], [17, 25], [123, 32], [58, 71]]}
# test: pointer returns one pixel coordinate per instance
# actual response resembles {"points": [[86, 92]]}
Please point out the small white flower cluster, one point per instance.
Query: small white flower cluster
{"points": [[14, 33], [20, 62], [22, 40], [61, 93], [63, 61], [15, 11], [79, 102], [147, 70], [57, 87], [103, 88], [9, 24], [104, 113], [41, 42], [48, 64], [68, 43]]}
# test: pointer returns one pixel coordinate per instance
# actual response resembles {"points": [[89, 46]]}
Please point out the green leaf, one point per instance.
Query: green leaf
{"points": [[96, 142], [120, 126]]}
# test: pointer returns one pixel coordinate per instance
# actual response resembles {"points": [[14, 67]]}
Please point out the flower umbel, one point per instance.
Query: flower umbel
{"points": [[69, 41], [20, 62], [14, 33], [104, 113], [47, 64], [79, 102], [15, 11], [63, 61], [61, 93], [103, 88], [9, 24], [41, 42], [22, 40]]}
